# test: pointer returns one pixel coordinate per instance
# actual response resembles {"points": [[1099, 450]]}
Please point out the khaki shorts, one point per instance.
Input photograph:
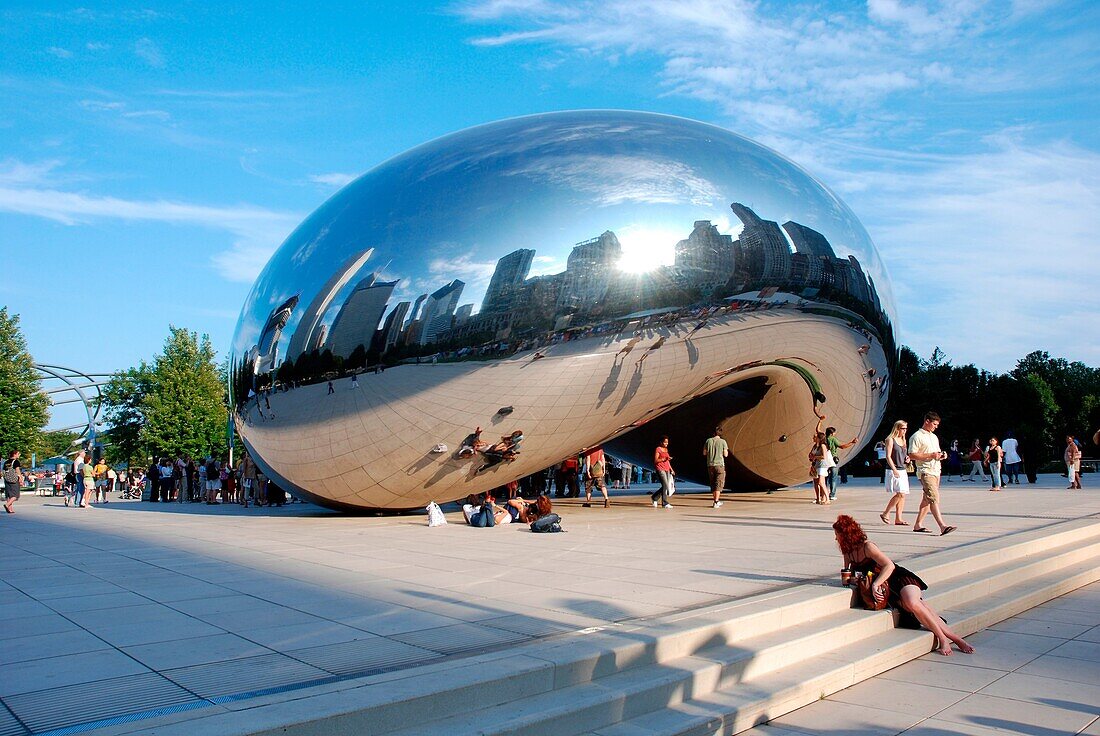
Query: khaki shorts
{"points": [[717, 475], [930, 484]]}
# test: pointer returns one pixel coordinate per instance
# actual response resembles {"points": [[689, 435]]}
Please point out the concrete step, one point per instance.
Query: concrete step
{"points": [[729, 664], [815, 654], [729, 710]]}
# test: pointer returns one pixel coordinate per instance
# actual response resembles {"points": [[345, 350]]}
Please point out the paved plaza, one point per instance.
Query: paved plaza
{"points": [[175, 611], [1035, 673]]}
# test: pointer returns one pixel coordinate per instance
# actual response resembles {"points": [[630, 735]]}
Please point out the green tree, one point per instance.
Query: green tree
{"points": [[185, 407], [175, 405], [55, 442], [24, 409], [124, 398]]}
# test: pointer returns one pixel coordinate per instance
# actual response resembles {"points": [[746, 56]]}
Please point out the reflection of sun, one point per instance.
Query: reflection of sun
{"points": [[645, 249]]}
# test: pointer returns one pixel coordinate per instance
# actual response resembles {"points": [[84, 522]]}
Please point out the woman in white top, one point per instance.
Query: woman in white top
{"points": [[897, 478]]}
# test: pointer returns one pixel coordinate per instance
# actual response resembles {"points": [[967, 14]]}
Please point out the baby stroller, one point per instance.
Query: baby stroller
{"points": [[132, 491]]}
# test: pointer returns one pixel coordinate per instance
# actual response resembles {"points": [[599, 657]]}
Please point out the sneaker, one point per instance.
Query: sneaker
{"points": [[832, 497], [717, 504], [655, 504], [586, 505], [668, 505]]}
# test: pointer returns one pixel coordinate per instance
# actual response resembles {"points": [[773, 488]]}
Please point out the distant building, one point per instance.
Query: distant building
{"points": [[809, 241], [588, 273], [509, 274], [305, 338], [267, 348], [438, 311], [391, 328], [765, 255], [359, 316], [462, 314], [705, 259]]}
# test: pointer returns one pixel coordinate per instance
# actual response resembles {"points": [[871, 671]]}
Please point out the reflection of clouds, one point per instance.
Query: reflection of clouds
{"points": [[615, 179], [529, 140], [303, 253]]}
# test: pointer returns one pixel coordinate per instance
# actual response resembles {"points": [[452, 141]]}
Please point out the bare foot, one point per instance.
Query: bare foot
{"points": [[944, 649], [964, 647]]}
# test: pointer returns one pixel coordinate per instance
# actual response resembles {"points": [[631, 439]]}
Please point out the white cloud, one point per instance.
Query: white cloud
{"points": [[97, 46], [334, 179], [255, 231], [993, 251], [59, 52], [147, 49], [615, 179]]}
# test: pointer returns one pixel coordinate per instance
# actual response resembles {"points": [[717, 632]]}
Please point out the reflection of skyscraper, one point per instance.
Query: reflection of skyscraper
{"points": [[391, 328], [267, 348], [462, 314], [304, 333], [765, 255], [510, 272], [809, 241], [415, 311], [588, 272], [705, 258], [438, 310], [359, 316]]}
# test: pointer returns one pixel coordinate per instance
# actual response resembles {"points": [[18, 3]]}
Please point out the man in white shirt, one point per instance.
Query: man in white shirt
{"points": [[1012, 459], [924, 450]]}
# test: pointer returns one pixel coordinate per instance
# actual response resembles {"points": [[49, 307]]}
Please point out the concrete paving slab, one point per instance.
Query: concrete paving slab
{"points": [[221, 592]]}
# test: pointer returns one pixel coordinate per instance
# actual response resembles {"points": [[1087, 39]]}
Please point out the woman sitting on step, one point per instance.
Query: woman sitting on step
{"points": [[863, 555]]}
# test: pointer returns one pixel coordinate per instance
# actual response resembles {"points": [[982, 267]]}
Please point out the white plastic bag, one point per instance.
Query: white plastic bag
{"points": [[435, 515]]}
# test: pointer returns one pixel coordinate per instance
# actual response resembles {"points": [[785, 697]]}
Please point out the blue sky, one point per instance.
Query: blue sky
{"points": [[152, 157]]}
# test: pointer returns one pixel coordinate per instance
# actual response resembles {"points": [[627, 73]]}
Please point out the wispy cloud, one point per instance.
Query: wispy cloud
{"points": [[879, 100], [615, 179], [334, 179], [59, 52], [149, 51], [255, 231]]}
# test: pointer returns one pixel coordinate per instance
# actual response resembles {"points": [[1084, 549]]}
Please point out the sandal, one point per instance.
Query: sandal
{"points": [[884, 519], [922, 529], [901, 523], [948, 530]]}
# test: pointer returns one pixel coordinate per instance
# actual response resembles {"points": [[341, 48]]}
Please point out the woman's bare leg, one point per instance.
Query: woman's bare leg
{"points": [[900, 507], [911, 600]]}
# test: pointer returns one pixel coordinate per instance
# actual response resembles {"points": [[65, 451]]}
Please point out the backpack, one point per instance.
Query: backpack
{"points": [[546, 524], [596, 470]]}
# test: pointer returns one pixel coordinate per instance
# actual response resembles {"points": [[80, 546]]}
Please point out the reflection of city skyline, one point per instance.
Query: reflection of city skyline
{"points": [[708, 266]]}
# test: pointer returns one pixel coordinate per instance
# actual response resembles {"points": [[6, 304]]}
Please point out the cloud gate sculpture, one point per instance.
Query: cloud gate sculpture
{"points": [[581, 278]]}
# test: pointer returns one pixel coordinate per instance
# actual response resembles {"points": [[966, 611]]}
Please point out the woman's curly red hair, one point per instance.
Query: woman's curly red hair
{"points": [[849, 534]]}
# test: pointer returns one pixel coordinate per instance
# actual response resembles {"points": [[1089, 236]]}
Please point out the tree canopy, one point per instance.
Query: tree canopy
{"points": [[174, 405], [24, 409], [1040, 401]]}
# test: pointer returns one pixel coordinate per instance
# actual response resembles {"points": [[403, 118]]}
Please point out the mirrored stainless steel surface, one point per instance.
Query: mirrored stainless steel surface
{"points": [[610, 276]]}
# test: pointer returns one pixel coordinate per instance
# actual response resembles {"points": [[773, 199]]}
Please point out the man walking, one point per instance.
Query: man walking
{"points": [[595, 468], [716, 451], [834, 447], [924, 450]]}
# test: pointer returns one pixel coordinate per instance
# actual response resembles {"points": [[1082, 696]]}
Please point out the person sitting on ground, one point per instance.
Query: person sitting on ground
{"points": [[480, 511], [862, 555], [505, 450], [471, 444], [525, 511]]}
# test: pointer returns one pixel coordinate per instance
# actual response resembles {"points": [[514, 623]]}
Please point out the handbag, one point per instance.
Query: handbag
{"points": [[910, 467], [870, 602], [11, 474]]}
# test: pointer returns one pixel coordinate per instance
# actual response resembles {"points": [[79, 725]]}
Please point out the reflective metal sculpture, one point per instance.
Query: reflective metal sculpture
{"points": [[560, 281]]}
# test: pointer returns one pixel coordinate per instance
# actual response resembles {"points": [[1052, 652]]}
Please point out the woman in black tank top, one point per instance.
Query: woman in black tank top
{"points": [[905, 586]]}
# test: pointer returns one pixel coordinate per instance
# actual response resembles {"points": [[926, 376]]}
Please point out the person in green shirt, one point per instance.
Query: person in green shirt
{"points": [[716, 451], [834, 447]]}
